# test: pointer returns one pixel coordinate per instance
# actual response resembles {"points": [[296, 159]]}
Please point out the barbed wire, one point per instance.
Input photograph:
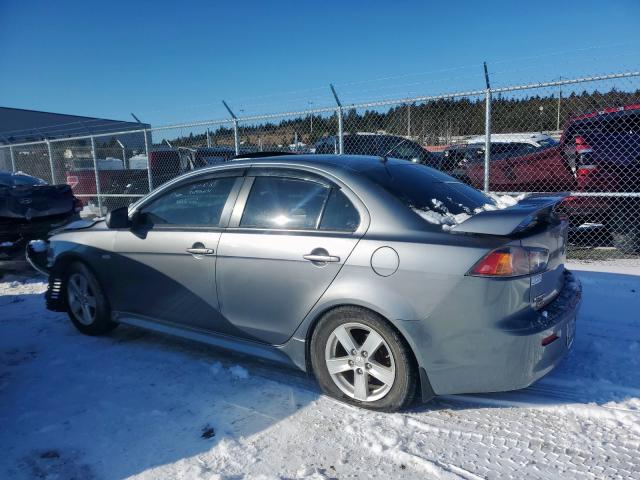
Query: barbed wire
{"points": [[321, 96]]}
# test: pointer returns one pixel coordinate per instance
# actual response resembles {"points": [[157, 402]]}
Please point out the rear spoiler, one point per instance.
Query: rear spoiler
{"points": [[511, 220]]}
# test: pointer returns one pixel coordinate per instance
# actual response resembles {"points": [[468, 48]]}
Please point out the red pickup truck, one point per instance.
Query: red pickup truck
{"points": [[114, 178]]}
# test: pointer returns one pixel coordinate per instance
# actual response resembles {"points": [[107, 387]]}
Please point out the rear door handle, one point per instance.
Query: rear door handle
{"points": [[321, 258], [200, 251]]}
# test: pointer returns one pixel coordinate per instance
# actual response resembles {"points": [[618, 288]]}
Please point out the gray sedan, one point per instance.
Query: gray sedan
{"points": [[386, 280]]}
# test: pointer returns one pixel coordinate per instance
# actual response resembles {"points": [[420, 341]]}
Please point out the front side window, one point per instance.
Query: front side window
{"points": [[197, 204], [284, 203]]}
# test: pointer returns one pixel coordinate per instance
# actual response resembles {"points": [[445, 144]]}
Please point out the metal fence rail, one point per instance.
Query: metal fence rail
{"points": [[580, 136]]}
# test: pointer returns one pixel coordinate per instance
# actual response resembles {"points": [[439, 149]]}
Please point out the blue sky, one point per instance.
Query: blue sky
{"points": [[174, 61]]}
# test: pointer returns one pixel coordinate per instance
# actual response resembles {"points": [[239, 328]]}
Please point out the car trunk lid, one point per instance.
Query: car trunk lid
{"points": [[515, 220], [533, 223]]}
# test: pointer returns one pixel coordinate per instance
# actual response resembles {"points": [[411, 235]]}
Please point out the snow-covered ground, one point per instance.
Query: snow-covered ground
{"points": [[137, 404]]}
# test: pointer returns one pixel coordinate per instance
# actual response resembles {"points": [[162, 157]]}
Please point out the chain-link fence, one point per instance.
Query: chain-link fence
{"points": [[579, 136]]}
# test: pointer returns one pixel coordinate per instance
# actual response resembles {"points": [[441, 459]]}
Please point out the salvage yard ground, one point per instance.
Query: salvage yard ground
{"points": [[138, 404]]}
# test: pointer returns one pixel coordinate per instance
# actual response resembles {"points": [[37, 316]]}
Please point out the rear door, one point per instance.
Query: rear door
{"points": [[169, 258], [290, 234]]}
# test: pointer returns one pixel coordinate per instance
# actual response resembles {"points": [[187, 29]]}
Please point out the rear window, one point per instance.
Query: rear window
{"points": [[620, 124], [422, 188]]}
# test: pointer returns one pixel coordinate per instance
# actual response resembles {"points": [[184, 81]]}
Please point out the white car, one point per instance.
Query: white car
{"points": [[535, 139]]}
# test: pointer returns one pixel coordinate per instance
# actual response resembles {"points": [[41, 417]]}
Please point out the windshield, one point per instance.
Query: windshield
{"points": [[17, 179], [423, 188]]}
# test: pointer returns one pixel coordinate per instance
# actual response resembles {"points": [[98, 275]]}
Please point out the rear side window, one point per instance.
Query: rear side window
{"points": [[197, 204], [284, 203], [339, 213]]}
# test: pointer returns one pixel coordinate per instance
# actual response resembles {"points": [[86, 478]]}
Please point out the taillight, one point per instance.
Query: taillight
{"points": [[582, 146], [77, 205], [512, 262], [586, 170]]}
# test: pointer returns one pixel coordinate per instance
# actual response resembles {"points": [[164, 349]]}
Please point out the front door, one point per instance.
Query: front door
{"points": [[167, 261], [283, 248]]}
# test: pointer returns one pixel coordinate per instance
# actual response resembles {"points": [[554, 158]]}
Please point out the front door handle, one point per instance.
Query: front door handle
{"points": [[201, 251], [321, 258]]}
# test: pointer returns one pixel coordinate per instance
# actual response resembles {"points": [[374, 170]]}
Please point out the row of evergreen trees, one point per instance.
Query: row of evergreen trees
{"points": [[435, 122]]}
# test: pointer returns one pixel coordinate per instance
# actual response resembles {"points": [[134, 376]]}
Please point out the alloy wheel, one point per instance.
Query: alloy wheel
{"points": [[360, 362], [81, 298]]}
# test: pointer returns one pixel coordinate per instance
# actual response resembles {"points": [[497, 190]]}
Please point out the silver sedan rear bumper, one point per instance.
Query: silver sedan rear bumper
{"points": [[515, 352]]}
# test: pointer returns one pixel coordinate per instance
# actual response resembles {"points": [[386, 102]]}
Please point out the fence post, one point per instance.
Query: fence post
{"points": [[13, 158], [95, 171], [487, 139], [236, 138], [340, 132], [340, 126], [53, 172], [487, 131], [146, 151]]}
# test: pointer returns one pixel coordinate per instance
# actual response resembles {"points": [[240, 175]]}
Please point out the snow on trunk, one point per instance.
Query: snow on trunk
{"points": [[440, 215]]}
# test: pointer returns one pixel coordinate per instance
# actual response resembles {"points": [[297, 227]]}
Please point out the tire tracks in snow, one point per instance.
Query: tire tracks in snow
{"points": [[547, 394]]}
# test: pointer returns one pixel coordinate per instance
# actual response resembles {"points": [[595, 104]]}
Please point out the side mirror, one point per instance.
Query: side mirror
{"points": [[118, 218]]}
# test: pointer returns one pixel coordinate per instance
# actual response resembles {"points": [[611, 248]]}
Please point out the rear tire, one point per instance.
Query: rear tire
{"points": [[87, 305], [628, 243], [383, 378], [625, 226]]}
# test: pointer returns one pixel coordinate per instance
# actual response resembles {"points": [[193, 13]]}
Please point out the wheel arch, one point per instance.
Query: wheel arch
{"points": [[57, 276], [424, 385]]}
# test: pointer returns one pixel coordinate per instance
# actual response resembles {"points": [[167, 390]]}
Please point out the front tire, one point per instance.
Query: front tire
{"points": [[357, 357], [87, 305]]}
